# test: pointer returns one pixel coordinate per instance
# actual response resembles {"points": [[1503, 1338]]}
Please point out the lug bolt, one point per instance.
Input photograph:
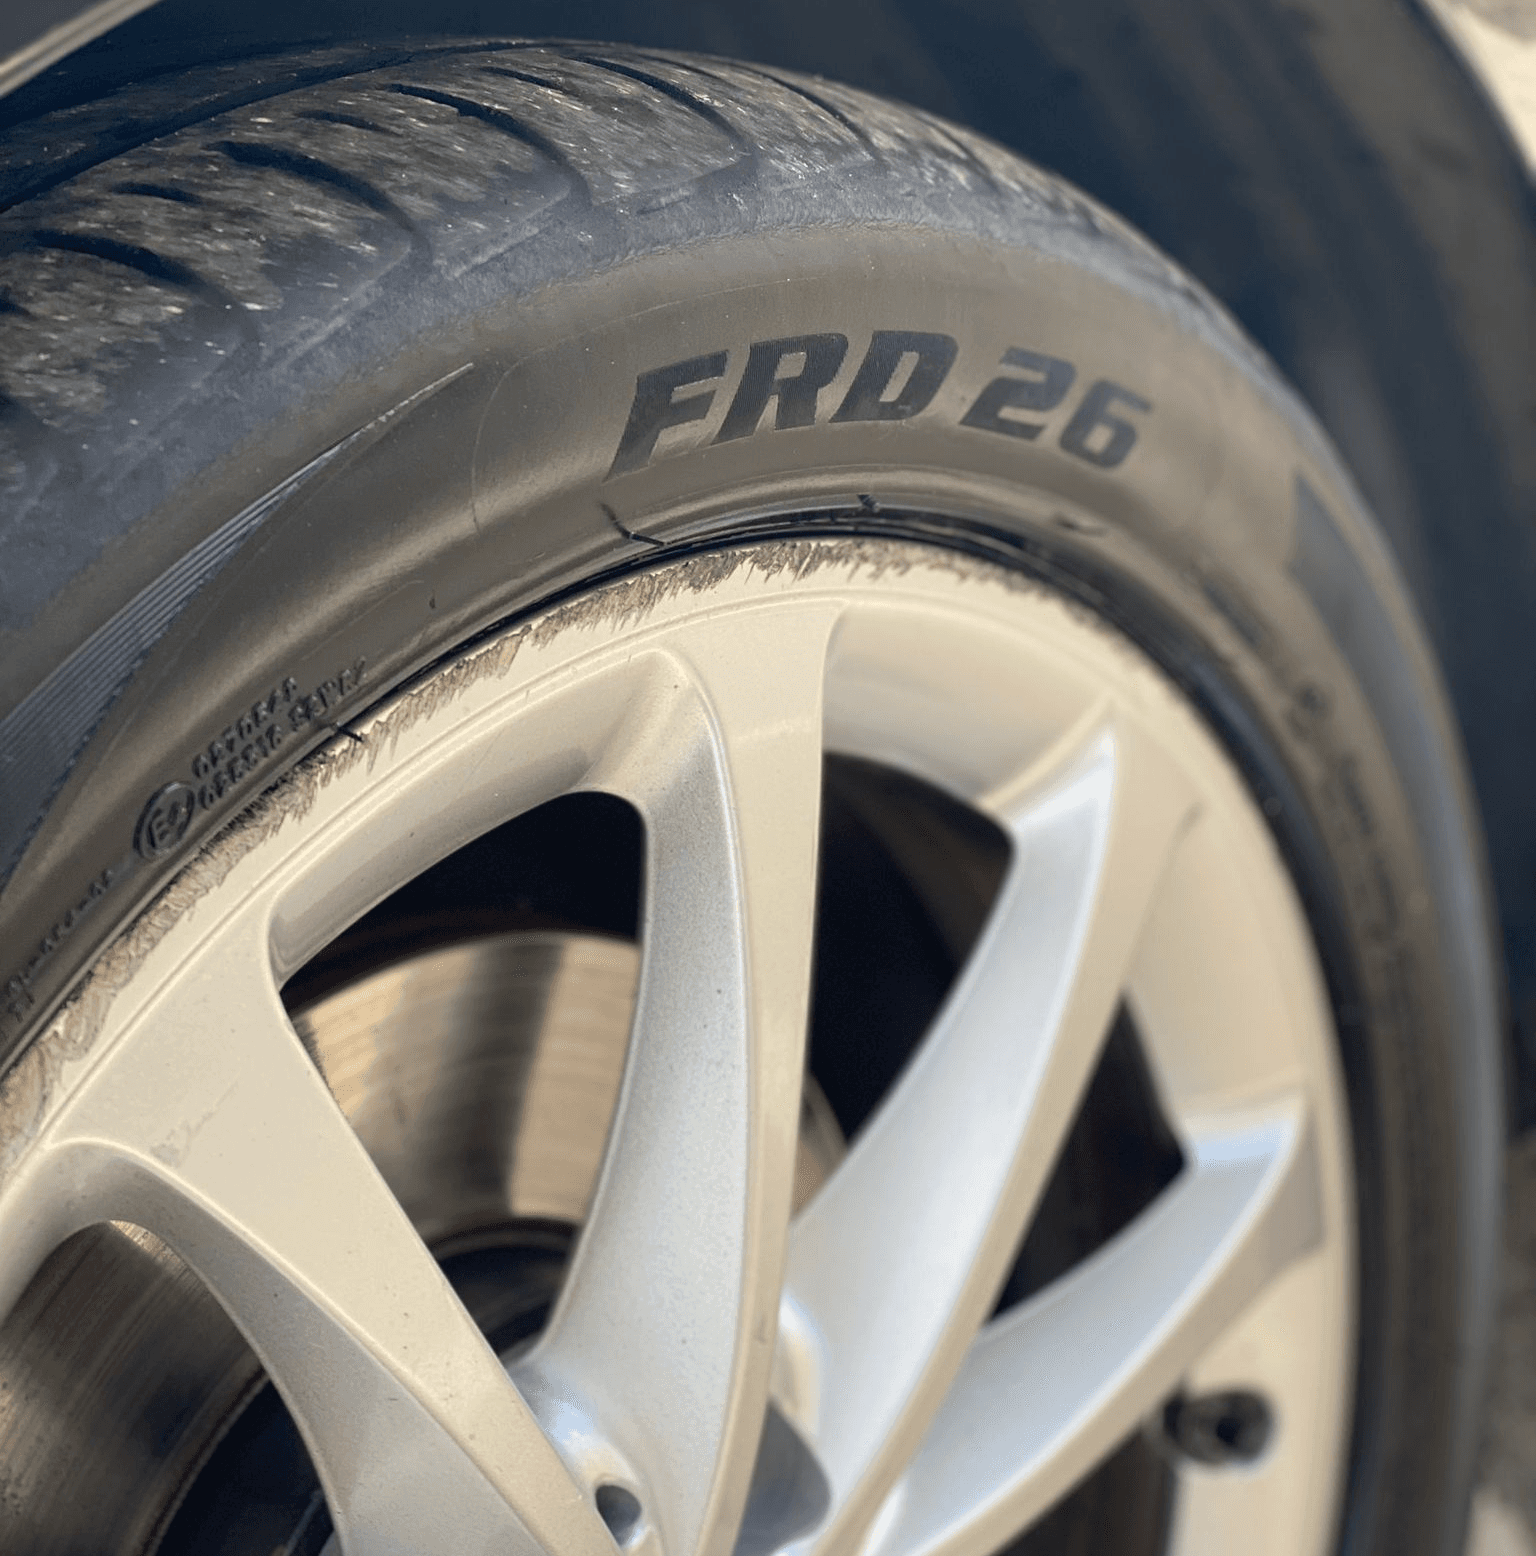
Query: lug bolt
{"points": [[619, 1508], [1232, 1427]]}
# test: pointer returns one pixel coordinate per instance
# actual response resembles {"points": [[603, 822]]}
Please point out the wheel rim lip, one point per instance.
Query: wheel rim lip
{"points": [[301, 799]]}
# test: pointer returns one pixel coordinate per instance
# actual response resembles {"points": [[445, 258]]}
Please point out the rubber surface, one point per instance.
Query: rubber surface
{"points": [[159, 302], [314, 368]]}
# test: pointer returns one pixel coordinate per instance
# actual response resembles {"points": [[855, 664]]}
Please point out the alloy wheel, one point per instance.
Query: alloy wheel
{"points": [[722, 1371]]}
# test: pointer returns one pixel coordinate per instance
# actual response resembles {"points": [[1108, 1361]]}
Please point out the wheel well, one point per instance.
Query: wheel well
{"points": [[1330, 172]]}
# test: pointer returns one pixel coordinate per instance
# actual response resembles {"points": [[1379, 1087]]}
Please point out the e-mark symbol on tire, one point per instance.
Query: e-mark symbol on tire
{"points": [[165, 820]]}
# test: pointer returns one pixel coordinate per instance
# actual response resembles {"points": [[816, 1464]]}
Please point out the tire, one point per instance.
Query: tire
{"points": [[320, 368]]}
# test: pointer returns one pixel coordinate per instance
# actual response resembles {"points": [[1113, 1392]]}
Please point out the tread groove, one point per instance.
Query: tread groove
{"points": [[159, 192], [351, 120], [279, 159], [13, 411], [153, 266], [499, 119], [706, 111], [832, 111], [532, 80], [941, 131], [130, 138]]}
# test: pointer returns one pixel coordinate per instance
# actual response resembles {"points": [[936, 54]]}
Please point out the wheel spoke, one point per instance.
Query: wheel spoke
{"points": [[662, 1342], [208, 1124], [894, 1266], [1050, 1388]]}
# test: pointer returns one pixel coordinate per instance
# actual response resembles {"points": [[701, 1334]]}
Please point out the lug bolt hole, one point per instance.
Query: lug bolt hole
{"points": [[1232, 1427], [620, 1510]]}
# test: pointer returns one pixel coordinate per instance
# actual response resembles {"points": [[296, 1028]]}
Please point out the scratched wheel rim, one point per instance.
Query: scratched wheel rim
{"points": [[901, 1417]]}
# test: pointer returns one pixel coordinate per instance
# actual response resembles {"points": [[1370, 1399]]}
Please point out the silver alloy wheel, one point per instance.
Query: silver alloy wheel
{"points": [[173, 1093]]}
